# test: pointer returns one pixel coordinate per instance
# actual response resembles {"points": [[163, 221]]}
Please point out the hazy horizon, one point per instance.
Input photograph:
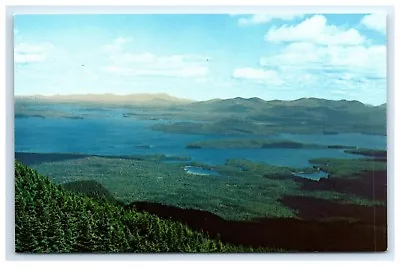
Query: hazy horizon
{"points": [[203, 57], [185, 99]]}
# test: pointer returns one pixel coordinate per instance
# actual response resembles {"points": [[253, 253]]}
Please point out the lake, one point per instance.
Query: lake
{"points": [[195, 170], [316, 176], [116, 135]]}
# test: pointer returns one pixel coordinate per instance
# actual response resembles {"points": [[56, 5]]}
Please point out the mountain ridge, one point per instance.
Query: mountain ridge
{"points": [[148, 97]]}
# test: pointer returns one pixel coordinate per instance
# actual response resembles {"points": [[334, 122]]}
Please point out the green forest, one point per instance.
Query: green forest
{"points": [[51, 218]]}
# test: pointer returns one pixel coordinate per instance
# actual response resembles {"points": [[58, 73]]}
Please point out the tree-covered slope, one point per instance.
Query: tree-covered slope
{"points": [[51, 219]]}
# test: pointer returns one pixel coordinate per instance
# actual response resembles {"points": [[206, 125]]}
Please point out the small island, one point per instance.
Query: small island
{"points": [[262, 144], [250, 143], [376, 153]]}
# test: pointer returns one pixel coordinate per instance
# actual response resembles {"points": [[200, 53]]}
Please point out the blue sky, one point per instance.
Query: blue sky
{"points": [[200, 57]]}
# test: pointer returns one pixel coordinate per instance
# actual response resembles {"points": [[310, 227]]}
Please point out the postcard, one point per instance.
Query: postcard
{"points": [[200, 133]]}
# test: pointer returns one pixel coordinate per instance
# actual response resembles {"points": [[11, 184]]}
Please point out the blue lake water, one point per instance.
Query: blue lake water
{"points": [[115, 135], [195, 170], [316, 176]]}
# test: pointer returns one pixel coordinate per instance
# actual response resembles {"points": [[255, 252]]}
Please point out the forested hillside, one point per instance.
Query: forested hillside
{"points": [[51, 219]]}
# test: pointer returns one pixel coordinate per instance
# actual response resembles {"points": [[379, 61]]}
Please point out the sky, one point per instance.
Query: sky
{"points": [[203, 56]]}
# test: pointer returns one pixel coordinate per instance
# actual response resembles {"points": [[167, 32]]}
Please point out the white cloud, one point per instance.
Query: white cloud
{"points": [[375, 22], [124, 62], [339, 92], [202, 80], [30, 53], [142, 72], [159, 62], [120, 41], [129, 58], [315, 30], [257, 75], [265, 18], [326, 71], [29, 58], [361, 60], [115, 46]]}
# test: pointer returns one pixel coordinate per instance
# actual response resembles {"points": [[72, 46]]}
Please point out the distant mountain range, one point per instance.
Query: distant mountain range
{"points": [[231, 116], [153, 99], [304, 102], [305, 115], [237, 103], [313, 108]]}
